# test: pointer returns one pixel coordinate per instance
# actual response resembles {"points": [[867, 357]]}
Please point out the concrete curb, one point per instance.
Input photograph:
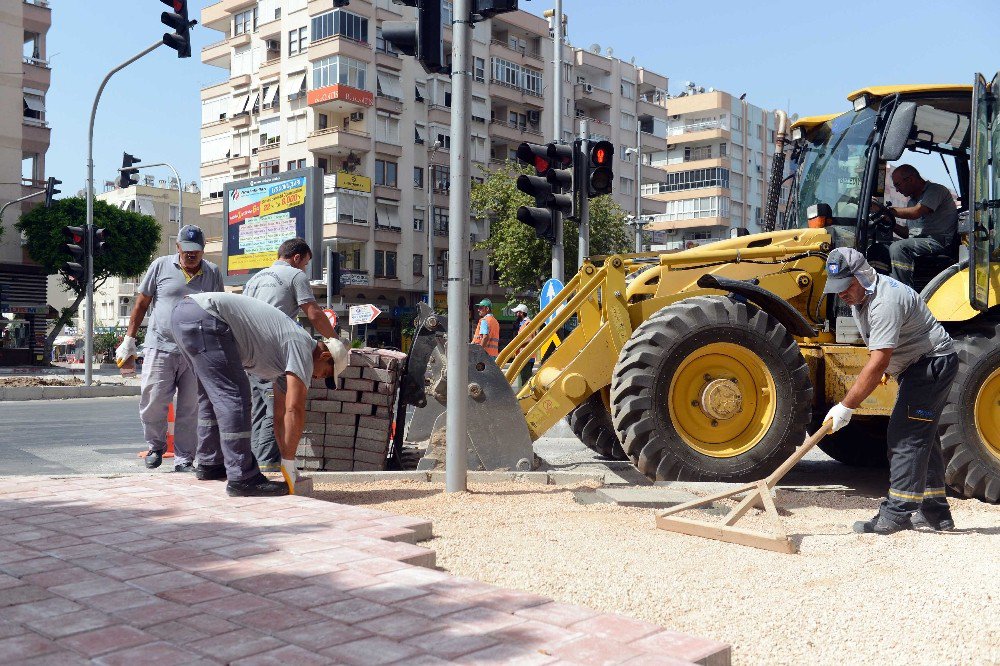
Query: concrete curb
{"points": [[20, 393], [540, 478]]}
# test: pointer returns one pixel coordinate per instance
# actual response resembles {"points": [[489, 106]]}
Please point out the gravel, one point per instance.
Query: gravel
{"points": [[910, 598]]}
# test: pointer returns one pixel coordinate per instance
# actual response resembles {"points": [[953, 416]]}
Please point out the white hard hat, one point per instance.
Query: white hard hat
{"points": [[520, 308]]}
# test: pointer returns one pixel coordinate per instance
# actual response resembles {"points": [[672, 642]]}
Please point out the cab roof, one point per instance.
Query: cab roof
{"points": [[911, 89], [810, 122]]}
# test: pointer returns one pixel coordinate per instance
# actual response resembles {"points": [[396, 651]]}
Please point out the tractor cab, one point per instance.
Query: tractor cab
{"points": [[839, 166]]}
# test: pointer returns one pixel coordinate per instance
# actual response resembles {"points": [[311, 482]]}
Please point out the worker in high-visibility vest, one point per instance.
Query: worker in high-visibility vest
{"points": [[487, 333], [523, 319]]}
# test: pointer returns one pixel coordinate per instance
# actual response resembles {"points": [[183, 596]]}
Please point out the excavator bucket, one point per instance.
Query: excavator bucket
{"points": [[498, 437]]}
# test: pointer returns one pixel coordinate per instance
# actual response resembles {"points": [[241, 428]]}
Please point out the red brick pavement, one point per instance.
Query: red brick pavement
{"points": [[167, 570]]}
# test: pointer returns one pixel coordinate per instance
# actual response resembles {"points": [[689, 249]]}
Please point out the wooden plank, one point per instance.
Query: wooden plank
{"points": [[740, 510], [770, 510], [735, 535], [694, 504]]}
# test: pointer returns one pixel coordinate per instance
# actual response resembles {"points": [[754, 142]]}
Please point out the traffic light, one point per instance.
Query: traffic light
{"points": [[423, 39], [98, 242], [50, 190], [128, 176], [76, 249], [600, 175], [485, 9], [180, 41], [548, 186]]}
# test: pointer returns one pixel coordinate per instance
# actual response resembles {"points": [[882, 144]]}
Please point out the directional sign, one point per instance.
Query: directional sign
{"points": [[548, 293], [362, 314]]}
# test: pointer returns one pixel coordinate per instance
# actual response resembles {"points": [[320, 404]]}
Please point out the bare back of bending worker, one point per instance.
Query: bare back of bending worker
{"points": [[908, 343], [285, 286], [224, 336]]}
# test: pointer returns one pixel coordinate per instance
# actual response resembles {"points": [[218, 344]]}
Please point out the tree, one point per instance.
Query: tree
{"points": [[523, 259], [132, 240]]}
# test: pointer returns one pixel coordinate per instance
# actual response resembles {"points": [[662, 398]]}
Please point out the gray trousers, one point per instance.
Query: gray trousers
{"points": [[916, 467], [903, 252], [223, 390], [262, 442], [163, 374]]}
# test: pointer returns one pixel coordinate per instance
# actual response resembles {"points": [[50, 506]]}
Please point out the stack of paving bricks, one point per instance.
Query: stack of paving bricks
{"points": [[348, 429]]}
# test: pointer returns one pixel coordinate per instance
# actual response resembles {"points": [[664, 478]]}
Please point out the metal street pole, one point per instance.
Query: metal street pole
{"points": [[89, 348], [583, 246], [330, 277], [638, 186], [180, 189], [558, 257], [429, 227], [457, 438], [11, 203]]}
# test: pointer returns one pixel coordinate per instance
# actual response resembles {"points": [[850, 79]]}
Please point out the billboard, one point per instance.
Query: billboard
{"points": [[261, 213]]}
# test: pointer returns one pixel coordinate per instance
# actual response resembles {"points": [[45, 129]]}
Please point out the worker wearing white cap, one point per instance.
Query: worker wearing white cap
{"points": [[165, 370], [906, 342], [522, 317]]}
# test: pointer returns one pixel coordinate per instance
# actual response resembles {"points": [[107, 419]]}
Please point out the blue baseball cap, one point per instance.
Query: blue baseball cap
{"points": [[191, 238], [843, 264]]}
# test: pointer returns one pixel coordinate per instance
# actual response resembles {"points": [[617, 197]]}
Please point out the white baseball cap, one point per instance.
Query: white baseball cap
{"points": [[520, 308]]}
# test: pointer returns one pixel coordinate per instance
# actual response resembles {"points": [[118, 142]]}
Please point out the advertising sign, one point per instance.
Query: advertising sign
{"points": [[350, 181], [261, 213]]}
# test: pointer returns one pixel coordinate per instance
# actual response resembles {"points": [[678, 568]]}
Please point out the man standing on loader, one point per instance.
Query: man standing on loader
{"points": [[906, 342], [487, 333]]}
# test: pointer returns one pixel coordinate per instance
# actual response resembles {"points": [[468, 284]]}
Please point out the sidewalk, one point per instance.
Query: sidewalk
{"points": [[156, 569]]}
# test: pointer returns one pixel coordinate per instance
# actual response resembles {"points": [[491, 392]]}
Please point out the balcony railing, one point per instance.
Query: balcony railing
{"points": [[38, 3], [530, 129], [218, 43], [674, 130], [523, 51], [330, 130], [37, 62]]}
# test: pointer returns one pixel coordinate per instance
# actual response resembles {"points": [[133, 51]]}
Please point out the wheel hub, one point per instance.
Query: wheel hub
{"points": [[721, 399]]}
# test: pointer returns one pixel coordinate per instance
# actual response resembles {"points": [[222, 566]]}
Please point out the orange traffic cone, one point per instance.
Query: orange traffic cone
{"points": [[169, 453]]}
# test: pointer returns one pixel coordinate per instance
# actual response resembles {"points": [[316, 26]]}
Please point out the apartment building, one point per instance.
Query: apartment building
{"points": [[24, 140], [717, 161], [306, 84]]}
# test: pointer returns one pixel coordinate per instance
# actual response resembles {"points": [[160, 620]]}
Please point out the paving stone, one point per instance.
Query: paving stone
{"points": [[382, 399], [325, 406], [236, 645], [340, 420], [359, 385], [351, 372], [371, 651], [106, 639], [152, 654], [358, 408]]}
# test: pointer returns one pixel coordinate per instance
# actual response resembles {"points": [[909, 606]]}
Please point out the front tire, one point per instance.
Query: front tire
{"points": [[592, 423], [710, 389], [970, 420]]}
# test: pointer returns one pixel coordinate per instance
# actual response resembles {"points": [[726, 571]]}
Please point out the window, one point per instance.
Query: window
{"points": [[215, 109], [478, 152], [624, 154], [340, 22], [444, 138], [297, 164], [387, 215], [385, 173], [477, 272], [689, 180], [296, 88], [211, 188], [341, 70], [387, 85], [345, 207], [439, 219], [419, 132], [298, 39], [418, 264], [441, 177], [352, 256], [387, 129], [420, 91], [268, 167], [270, 131], [626, 185], [692, 153], [736, 124], [29, 167], [447, 12], [385, 264], [506, 72], [173, 213], [245, 22], [124, 307], [722, 150], [532, 82], [627, 121], [479, 69], [479, 109], [696, 208], [418, 219], [418, 179], [628, 89], [297, 129], [382, 46], [34, 105], [214, 148]]}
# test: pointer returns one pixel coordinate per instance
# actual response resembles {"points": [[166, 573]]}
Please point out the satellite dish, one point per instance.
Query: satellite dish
{"points": [[595, 48], [611, 51], [631, 60]]}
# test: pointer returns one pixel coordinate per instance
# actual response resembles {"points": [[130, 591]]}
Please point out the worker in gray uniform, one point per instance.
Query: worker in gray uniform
{"points": [[905, 341], [225, 336], [165, 370], [285, 286]]}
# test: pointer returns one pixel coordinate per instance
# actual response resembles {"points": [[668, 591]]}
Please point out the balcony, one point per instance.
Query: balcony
{"points": [[216, 89], [220, 15], [592, 61], [240, 80], [590, 96], [677, 195], [269, 29], [713, 130], [506, 91], [520, 56], [240, 121], [652, 143], [438, 114], [387, 60], [36, 73], [215, 168], [502, 129], [338, 45], [699, 103], [239, 162], [696, 164], [652, 104], [688, 223], [388, 104], [338, 141], [37, 16], [648, 79], [218, 54], [35, 136], [270, 68], [340, 98]]}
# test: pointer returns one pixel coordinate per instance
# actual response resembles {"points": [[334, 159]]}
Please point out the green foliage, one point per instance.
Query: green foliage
{"points": [[523, 260]]}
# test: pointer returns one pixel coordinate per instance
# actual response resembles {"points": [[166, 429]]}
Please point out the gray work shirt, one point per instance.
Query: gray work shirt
{"points": [[942, 222], [167, 283], [270, 344], [283, 286], [894, 316]]}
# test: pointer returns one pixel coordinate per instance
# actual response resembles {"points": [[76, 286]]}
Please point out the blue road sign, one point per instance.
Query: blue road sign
{"points": [[548, 293]]}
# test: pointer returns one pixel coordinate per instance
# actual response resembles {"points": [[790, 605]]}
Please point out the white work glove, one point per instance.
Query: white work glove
{"points": [[839, 415], [125, 349], [341, 356], [290, 474]]}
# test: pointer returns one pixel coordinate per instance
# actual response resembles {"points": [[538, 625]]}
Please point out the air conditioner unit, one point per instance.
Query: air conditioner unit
{"points": [[588, 88], [534, 116], [580, 113], [581, 79], [357, 116], [273, 45]]}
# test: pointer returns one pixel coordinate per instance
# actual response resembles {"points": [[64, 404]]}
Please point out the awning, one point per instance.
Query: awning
{"points": [[239, 104], [35, 103], [270, 93], [66, 340], [252, 102], [389, 85], [296, 84]]}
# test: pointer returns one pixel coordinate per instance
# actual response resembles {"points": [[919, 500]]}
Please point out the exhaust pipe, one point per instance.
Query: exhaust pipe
{"points": [[777, 172]]}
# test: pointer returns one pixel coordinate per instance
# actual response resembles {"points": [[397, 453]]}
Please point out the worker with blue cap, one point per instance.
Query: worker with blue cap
{"points": [[905, 341]]}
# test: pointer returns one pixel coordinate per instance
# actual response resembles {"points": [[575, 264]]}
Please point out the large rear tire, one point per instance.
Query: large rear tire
{"points": [[592, 423], [710, 389], [861, 443], [970, 420]]}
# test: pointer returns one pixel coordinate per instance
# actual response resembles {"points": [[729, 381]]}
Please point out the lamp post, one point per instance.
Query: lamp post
{"points": [[428, 225], [637, 220]]}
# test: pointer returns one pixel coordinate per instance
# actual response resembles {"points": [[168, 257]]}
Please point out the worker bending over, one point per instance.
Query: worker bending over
{"points": [[285, 286], [905, 342], [165, 369], [487, 333], [224, 336]]}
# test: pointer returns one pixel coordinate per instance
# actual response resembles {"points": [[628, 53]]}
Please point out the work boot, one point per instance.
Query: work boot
{"points": [[882, 524], [937, 522], [184, 467], [153, 459], [257, 486], [211, 472]]}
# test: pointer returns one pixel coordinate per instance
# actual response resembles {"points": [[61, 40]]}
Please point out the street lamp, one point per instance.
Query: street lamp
{"points": [[428, 225], [637, 151]]}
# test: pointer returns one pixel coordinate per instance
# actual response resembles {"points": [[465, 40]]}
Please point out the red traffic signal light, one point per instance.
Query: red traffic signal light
{"points": [[600, 173], [76, 249], [535, 155], [180, 40]]}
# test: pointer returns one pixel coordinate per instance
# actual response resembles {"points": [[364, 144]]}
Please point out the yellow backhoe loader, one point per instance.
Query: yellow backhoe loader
{"points": [[711, 363]]}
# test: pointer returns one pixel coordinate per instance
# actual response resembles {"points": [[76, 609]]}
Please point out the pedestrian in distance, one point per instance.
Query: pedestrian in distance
{"points": [[487, 333], [905, 341], [165, 370], [522, 318], [225, 336], [285, 286]]}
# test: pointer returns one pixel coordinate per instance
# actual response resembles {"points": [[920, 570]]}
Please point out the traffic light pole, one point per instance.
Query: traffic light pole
{"points": [[89, 349], [11, 203], [457, 437], [583, 247], [558, 257], [180, 189]]}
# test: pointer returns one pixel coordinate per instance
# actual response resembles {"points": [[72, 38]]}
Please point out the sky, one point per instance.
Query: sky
{"points": [[797, 55]]}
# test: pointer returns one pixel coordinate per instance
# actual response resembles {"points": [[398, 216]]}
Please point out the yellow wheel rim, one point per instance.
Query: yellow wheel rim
{"points": [[722, 400], [987, 413]]}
